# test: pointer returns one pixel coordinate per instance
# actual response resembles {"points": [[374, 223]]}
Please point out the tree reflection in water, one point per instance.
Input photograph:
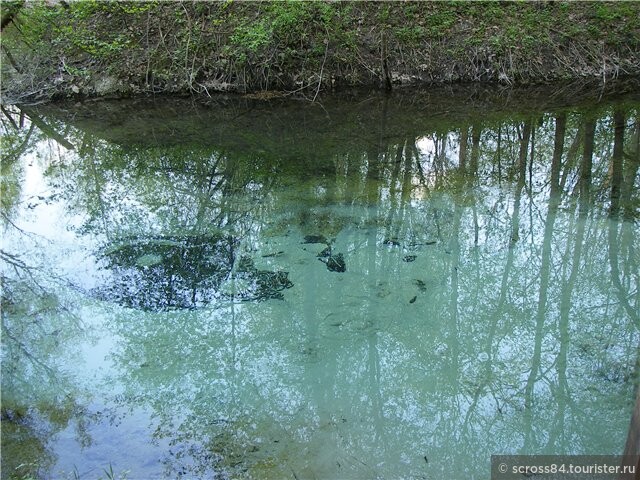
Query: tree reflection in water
{"points": [[489, 302]]}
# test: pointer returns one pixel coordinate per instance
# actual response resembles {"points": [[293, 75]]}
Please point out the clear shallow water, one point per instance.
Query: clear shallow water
{"points": [[371, 289]]}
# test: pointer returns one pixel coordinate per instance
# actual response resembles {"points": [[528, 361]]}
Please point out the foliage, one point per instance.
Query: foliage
{"points": [[291, 33]]}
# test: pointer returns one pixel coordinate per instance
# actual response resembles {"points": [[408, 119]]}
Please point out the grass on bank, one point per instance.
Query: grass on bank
{"points": [[96, 47]]}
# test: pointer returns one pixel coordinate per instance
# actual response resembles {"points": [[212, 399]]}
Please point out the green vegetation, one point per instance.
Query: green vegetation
{"points": [[105, 48]]}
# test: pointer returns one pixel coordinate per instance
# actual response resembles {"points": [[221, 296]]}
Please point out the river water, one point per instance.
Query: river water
{"points": [[366, 287]]}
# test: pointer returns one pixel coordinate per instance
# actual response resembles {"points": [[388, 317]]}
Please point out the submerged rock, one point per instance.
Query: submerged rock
{"points": [[274, 254], [422, 286], [315, 239], [335, 263], [267, 285], [148, 260], [260, 284]]}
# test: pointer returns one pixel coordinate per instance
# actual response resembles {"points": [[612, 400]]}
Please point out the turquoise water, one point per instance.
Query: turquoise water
{"points": [[370, 288]]}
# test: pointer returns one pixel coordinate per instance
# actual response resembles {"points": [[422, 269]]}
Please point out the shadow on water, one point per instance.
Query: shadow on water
{"points": [[360, 288]]}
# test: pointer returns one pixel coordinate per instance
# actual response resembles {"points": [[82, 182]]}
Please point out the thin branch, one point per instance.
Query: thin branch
{"points": [[49, 131], [9, 117], [326, 50]]}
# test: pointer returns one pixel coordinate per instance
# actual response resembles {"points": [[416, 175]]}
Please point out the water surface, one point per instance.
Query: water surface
{"points": [[371, 287]]}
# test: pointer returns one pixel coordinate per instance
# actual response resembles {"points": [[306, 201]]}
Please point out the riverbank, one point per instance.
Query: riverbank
{"points": [[119, 49]]}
